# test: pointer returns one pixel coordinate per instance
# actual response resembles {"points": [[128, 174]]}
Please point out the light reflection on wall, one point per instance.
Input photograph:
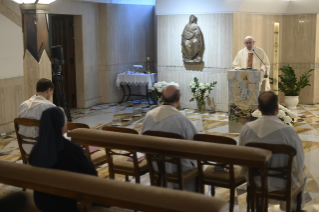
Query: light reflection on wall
{"points": [[142, 2]]}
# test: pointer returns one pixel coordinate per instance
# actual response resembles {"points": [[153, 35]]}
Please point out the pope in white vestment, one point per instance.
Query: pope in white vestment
{"points": [[167, 118], [32, 109], [247, 58], [270, 129]]}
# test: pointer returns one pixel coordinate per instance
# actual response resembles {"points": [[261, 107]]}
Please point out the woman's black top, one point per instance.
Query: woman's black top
{"points": [[73, 159]]}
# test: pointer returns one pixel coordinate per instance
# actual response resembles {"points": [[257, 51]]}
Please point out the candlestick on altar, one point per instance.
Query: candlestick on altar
{"points": [[276, 58], [148, 65]]}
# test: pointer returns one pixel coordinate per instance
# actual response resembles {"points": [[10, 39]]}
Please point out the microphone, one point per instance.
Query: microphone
{"points": [[265, 76]]}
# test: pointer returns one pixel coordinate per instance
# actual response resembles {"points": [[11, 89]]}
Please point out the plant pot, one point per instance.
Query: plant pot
{"points": [[291, 102]]}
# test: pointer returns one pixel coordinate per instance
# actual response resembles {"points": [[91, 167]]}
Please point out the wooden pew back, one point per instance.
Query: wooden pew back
{"points": [[88, 188]]}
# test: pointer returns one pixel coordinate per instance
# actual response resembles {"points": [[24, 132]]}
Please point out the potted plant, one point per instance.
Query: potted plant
{"points": [[200, 92], [289, 85], [158, 89]]}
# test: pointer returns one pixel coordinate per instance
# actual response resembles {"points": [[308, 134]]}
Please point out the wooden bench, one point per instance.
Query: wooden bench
{"points": [[90, 189], [236, 155]]}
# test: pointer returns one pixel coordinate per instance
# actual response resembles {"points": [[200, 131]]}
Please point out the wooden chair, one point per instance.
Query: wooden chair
{"points": [[21, 138], [243, 156], [72, 126], [160, 175], [121, 165], [282, 173], [209, 176], [99, 157]]}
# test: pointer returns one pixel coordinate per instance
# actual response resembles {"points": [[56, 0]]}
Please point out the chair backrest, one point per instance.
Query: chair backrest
{"points": [[160, 160], [119, 129], [281, 172], [86, 188], [214, 139], [109, 152], [21, 138], [163, 134], [238, 155], [218, 140], [72, 126]]}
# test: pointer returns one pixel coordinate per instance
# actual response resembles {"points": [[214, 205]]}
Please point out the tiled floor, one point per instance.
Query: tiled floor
{"points": [[131, 115]]}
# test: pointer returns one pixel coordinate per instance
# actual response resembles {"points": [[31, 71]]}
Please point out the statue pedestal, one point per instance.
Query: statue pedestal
{"points": [[243, 91]]}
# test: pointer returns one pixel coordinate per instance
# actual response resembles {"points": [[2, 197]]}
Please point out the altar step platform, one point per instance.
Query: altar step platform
{"points": [[131, 115]]}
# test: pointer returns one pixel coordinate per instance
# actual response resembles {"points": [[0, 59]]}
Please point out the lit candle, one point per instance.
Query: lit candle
{"points": [[276, 57]]}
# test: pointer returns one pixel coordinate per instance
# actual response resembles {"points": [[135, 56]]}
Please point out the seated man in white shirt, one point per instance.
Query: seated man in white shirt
{"points": [[33, 108], [167, 118], [270, 129]]}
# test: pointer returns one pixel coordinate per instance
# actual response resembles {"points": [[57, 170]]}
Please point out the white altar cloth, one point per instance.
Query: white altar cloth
{"points": [[136, 79]]}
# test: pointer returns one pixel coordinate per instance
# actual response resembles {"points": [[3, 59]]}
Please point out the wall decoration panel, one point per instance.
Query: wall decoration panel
{"points": [[316, 74], [13, 6], [299, 49], [11, 10], [297, 40], [11, 51], [33, 71], [86, 26], [127, 37], [11, 97], [261, 28], [217, 31]]}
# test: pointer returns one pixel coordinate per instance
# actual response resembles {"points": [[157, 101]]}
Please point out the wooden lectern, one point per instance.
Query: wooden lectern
{"points": [[243, 90]]}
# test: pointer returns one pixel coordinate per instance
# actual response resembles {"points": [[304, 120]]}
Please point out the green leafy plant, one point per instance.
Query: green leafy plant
{"points": [[288, 81]]}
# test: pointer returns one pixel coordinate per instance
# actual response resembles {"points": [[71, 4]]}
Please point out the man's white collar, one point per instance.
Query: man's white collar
{"points": [[162, 112], [36, 100], [266, 125], [250, 51]]}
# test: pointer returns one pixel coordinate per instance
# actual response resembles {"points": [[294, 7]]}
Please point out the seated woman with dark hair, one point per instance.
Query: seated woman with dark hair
{"points": [[53, 151]]}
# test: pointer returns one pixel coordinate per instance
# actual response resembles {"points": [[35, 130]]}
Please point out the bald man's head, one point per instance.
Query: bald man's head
{"points": [[171, 94], [268, 103]]}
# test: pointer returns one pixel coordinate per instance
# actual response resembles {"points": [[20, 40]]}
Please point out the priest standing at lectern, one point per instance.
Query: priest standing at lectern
{"points": [[247, 58]]}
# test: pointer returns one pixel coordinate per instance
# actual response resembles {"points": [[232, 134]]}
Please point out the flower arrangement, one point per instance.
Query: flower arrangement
{"points": [[200, 92], [285, 115], [158, 89]]}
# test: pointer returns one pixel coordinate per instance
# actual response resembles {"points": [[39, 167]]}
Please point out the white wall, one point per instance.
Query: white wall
{"points": [[11, 49], [127, 37], [217, 31], [90, 25], [173, 7]]}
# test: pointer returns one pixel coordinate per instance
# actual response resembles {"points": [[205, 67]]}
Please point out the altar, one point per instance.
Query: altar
{"points": [[243, 91], [135, 79]]}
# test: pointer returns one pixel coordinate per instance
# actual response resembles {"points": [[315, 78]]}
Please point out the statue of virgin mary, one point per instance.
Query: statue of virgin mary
{"points": [[192, 41]]}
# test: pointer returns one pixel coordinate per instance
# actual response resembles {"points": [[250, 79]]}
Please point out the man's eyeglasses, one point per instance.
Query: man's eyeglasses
{"points": [[248, 43]]}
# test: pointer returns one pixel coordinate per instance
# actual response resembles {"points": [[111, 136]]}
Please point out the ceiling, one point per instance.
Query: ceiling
{"points": [[173, 7], [167, 7]]}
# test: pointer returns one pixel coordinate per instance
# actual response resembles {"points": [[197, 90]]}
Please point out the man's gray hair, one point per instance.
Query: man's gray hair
{"points": [[249, 37]]}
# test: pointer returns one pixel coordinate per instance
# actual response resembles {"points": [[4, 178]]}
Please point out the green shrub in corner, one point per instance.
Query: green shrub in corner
{"points": [[288, 81]]}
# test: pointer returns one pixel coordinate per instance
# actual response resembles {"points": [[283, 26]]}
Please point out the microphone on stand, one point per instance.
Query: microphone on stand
{"points": [[266, 73]]}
